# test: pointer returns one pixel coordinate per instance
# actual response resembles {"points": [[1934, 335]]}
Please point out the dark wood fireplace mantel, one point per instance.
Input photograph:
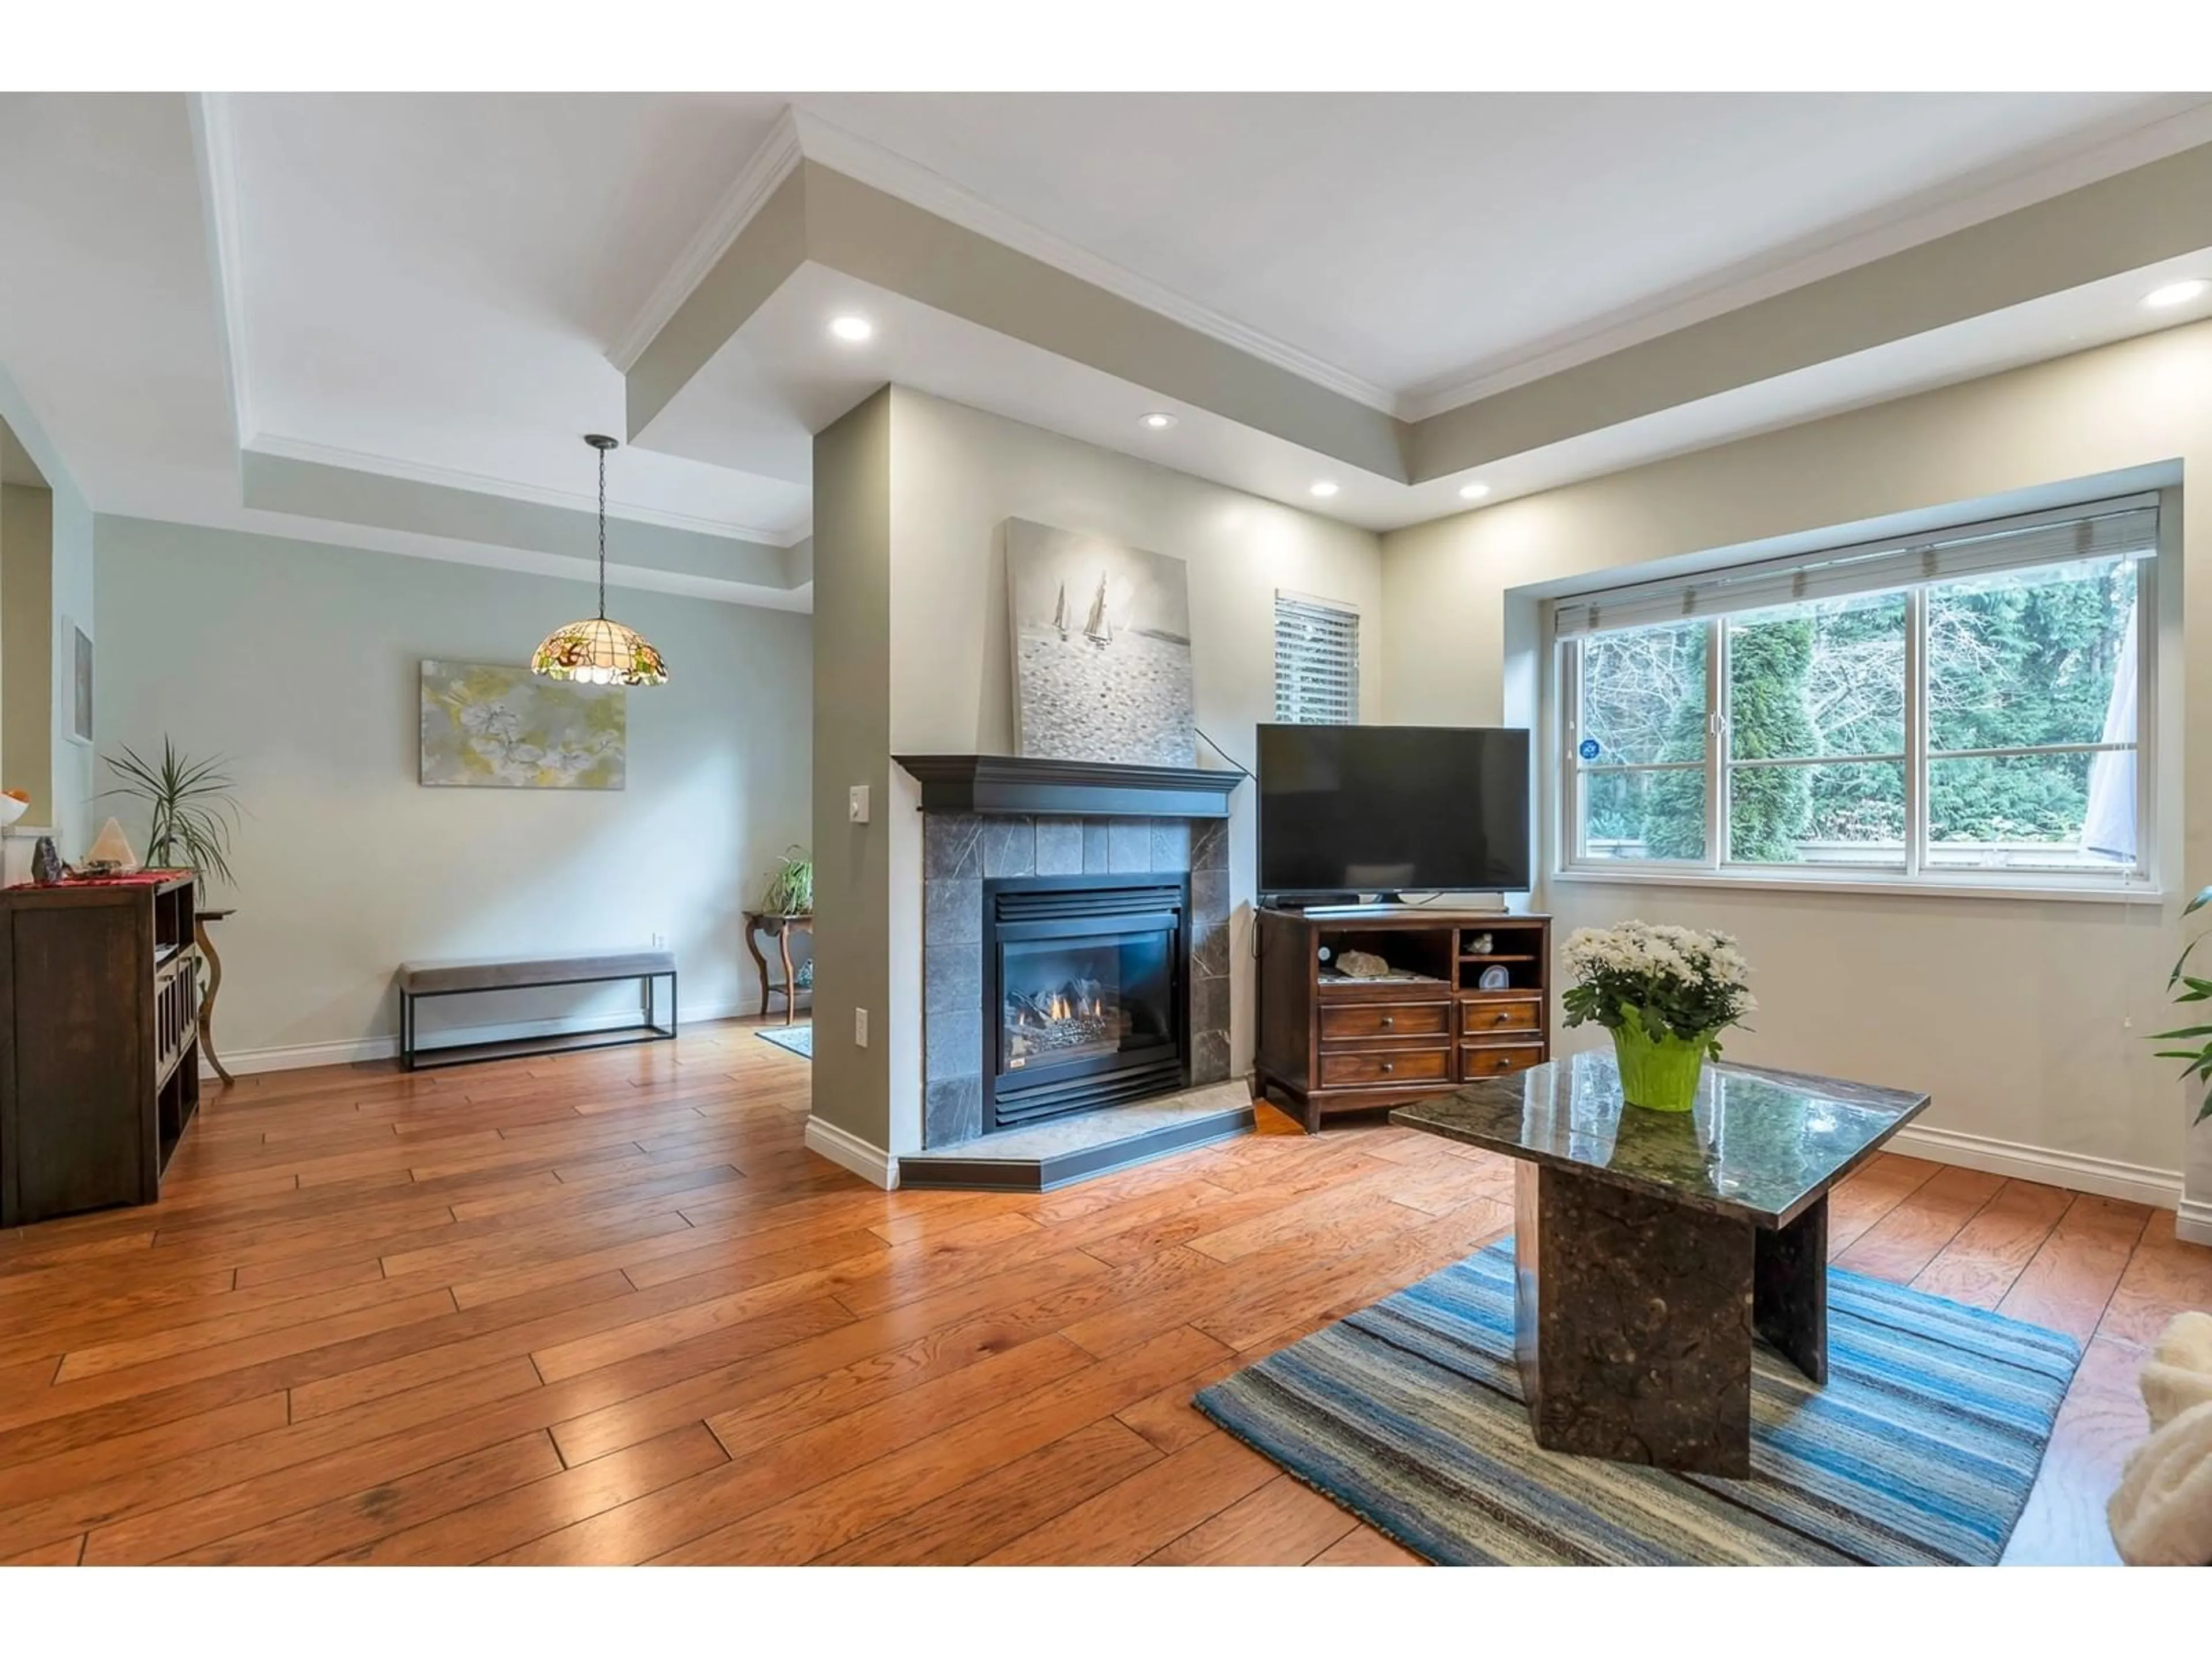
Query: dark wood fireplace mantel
{"points": [[1002, 785]]}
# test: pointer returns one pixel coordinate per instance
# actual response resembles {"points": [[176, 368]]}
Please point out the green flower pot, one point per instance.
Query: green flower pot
{"points": [[1659, 1074]]}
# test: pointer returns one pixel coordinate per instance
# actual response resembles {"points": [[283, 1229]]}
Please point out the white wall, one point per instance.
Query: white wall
{"points": [[301, 662], [2024, 1018]]}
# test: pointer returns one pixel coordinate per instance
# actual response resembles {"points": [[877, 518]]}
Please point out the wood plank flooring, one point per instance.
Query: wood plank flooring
{"points": [[606, 1307]]}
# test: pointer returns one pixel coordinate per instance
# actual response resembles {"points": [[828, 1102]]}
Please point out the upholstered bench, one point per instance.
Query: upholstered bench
{"points": [[418, 980]]}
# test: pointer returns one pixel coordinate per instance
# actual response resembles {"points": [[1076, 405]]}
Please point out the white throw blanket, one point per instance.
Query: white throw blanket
{"points": [[2161, 1515]]}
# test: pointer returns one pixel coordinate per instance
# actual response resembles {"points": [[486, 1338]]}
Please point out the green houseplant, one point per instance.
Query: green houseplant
{"points": [[790, 890], [190, 813], [1666, 993], [2184, 987]]}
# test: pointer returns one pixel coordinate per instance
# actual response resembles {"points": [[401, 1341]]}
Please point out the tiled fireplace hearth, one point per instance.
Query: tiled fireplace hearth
{"points": [[1112, 966]]}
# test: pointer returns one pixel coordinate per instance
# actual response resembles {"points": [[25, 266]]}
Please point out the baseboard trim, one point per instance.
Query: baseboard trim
{"points": [[2193, 1221], [292, 1057], [842, 1147], [2107, 1177]]}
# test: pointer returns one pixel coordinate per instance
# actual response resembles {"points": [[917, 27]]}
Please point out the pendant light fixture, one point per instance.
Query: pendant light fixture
{"points": [[597, 651]]}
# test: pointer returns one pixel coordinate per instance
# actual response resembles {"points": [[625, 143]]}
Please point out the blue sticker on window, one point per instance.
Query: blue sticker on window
{"points": [[1587, 748]]}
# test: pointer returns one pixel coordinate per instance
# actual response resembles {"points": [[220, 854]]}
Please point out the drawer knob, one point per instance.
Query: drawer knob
{"points": [[1500, 1018], [1389, 1020], [1390, 1065]]}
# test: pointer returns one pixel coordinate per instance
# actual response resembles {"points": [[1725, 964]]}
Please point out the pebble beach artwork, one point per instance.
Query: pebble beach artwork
{"points": [[1102, 649]]}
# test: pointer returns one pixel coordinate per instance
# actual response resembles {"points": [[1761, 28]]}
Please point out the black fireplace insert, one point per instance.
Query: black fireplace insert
{"points": [[1085, 999]]}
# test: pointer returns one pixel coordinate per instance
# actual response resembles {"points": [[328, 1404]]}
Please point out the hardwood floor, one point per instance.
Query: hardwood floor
{"points": [[606, 1308]]}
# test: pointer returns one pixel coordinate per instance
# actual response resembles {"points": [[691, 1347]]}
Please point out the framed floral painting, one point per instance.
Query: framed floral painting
{"points": [[493, 727]]}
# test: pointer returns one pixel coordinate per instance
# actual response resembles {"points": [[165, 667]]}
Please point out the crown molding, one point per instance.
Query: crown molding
{"points": [[444, 549], [775, 161], [214, 156], [446, 478], [1918, 219], [870, 164], [799, 135]]}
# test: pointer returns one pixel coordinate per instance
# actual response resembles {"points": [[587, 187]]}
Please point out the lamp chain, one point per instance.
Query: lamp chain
{"points": [[602, 535]]}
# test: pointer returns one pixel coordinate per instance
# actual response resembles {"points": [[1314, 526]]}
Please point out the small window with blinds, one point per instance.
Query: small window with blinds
{"points": [[1316, 662], [1958, 709]]}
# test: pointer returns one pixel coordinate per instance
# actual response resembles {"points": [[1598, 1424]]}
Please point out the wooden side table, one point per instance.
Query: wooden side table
{"points": [[779, 928], [200, 919]]}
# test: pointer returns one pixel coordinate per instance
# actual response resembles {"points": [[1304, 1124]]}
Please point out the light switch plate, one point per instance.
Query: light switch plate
{"points": [[857, 799], [859, 1028]]}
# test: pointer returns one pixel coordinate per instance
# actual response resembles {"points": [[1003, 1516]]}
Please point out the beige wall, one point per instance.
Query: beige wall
{"points": [[955, 476], [28, 717], [63, 789], [2025, 1018], [852, 745], [301, 662]]}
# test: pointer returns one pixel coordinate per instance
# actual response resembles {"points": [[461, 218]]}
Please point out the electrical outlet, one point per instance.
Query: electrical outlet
{"points": [[857, 803], [660, 941], [859, 1028]]}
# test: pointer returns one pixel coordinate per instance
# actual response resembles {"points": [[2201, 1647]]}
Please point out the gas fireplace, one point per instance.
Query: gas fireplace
{"points": [[1085, 996]]}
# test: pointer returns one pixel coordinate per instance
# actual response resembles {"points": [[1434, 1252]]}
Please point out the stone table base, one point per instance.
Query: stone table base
{"points": [[1634, 1317]]}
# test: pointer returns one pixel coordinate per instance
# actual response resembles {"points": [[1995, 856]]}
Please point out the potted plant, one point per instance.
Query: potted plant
{"points": [[2191, 988], [1666, 993], [190, 811], [790, 890]]}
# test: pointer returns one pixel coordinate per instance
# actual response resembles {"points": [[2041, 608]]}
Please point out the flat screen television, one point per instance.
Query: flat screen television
{"points": [[1393, 809]]}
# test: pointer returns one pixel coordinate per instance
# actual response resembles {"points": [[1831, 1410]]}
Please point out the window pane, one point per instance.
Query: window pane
{"points": [[1848, 814], [1644, 815], [1643, 696], [2032, 810], [2027, 658], [1826, 679]]}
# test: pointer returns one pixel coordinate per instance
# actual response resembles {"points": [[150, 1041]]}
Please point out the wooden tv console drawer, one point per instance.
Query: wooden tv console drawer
{"points": [[1497, 1059], [1513, 1018], [1356, 1021], [1392, 1068], [1331, 1043]]}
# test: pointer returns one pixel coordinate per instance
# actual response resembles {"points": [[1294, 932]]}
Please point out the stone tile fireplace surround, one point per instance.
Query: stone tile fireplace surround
{"points": [[962, 850]]}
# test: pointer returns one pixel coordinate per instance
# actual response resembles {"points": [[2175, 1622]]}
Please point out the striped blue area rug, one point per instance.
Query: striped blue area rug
{"points": [[1919, 1451], [798, 1039]]}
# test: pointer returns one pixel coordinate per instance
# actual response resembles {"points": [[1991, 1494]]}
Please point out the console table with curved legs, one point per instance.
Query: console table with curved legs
{"points": [[779, 928], [200, 919]]}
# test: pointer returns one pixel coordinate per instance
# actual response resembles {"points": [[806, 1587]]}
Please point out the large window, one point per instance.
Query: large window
{"points": [[1316, 662], [1960, 710]]}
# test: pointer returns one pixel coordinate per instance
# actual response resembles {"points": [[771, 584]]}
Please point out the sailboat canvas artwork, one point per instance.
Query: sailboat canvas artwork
{"points": [[1102, 649]]}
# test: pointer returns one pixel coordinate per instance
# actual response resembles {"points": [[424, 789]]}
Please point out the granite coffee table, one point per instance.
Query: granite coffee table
{"points": [[1651, 1246]]}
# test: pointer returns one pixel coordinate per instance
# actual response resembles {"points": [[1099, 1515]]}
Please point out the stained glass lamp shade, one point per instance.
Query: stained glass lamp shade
{"points": [[597, 651]]}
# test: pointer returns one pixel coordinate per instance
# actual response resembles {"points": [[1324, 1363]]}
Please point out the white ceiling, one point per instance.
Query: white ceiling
{"points": [[428, 286], [107, 308], [1418, 239], [435, 279]]}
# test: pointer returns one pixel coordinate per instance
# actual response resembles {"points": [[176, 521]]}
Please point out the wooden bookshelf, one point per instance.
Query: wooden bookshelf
{"points": [[99, 1041]]}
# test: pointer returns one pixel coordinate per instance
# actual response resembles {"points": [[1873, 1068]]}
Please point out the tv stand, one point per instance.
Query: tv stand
{"points": [[1330, 1044]]}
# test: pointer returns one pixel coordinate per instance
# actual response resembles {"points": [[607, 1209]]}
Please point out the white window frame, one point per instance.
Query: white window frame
{"points": [[1286, 596], [1918, 875]]}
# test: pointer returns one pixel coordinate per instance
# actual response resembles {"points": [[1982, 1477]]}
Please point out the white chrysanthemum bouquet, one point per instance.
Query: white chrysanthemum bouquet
{"points": [[1666, 993]]}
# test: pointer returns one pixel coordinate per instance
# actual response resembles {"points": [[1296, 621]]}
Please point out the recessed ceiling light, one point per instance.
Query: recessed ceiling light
{"points": [[854, 328], [2177, 294], [1324, 487], [1157, 420], [1473, 492]]}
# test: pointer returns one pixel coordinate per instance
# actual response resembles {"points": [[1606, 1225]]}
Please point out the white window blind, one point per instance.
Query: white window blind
{"points": [[2127, 528], [1316, 662]]}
